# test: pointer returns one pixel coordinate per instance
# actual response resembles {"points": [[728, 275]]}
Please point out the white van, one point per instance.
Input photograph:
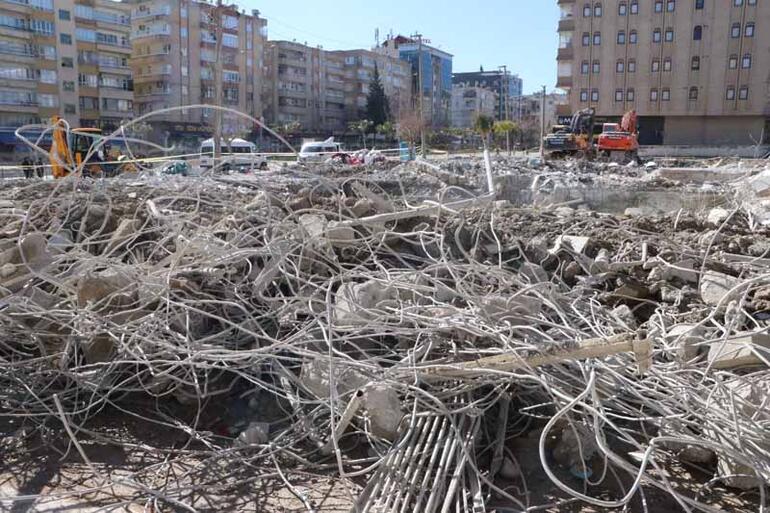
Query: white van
{"points": [[319, 151], [239, 155]]}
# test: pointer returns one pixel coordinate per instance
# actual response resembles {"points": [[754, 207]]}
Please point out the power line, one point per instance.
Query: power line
{"points": [[272, 19]]}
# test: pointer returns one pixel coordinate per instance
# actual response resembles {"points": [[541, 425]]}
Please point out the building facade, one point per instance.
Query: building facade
{"points": [[531, 109], [66, 58], [325, 90], [468, 103], [507, 86], [174, 55], [696, 71], [436, 83]]}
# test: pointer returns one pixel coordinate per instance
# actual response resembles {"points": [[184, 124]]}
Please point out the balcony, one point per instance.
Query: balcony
{"points": [[567, 25], [565, 82], [565, 2], [158, 10], [158, 32], [566, 54]]}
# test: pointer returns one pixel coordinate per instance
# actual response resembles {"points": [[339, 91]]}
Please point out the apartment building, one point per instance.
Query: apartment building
{"points": [[67, 58], [696, 71], [436, 82], [507, 86], [325, 90], [468, 103], [531, 109], [175, 50]]}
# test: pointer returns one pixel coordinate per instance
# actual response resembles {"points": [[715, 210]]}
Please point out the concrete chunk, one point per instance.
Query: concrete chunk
{"points": [[576, 244], [714, 287], [738, 351], [685, 337]]}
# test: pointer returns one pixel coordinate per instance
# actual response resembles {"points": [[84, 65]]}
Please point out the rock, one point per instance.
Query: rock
{"points": [[685, 338], [714, 287], [624, 314], [382, 408], [761, 300], [738, 351], [717, 216], [354, 301], [315, 377], [727, 467], [533, 273], [576, 244], [697, 455], [8, 270], [258, 433], [576, 440]]}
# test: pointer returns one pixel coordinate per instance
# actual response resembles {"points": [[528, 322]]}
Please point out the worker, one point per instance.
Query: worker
{"points": [[40, 168], [26, 165]]}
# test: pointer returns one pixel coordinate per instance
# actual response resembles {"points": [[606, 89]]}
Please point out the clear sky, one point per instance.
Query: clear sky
{"points": [[518, 33]]}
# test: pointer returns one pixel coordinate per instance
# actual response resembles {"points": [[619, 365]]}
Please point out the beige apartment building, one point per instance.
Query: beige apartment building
{"points": [[174, 55], [696, 71], [67, 58], [324, 90], [468, 103]]}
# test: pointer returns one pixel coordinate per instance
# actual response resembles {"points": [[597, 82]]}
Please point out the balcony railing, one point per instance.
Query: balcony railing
{"points": [[565, 81], [566, 54], [567, 25], [159, 10], [137, 34]]}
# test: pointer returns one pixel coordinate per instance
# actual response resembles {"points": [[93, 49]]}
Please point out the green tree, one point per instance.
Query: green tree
{"points": [[387, 130], [363, 127], [506, 128], [484, 125], [377, 104]]}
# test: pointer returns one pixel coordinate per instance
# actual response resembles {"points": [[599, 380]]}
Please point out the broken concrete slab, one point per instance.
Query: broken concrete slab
{"points": [[715, 286], [533, 273], [739, 351], [574, 243], [686, 339], [382, 410], [717, 216]]}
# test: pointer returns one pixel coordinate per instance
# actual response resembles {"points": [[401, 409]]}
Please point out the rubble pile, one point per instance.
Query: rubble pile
{"points": [[454, 354]]}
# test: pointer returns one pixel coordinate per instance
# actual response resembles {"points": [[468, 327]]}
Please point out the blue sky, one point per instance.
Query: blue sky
{"points": [[518, 33]]}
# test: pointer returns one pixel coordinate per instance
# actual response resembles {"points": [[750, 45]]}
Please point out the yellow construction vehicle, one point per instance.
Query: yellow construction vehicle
{"points": [[70, 148]]}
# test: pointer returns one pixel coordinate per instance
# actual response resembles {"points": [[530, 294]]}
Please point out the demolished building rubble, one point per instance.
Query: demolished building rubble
{"points": [[433, 348]]}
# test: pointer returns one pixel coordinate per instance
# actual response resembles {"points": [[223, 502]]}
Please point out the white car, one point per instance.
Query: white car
{"points": [[239, 155], [319, 151]]}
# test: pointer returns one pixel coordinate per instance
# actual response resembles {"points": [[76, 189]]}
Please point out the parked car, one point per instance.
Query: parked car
{"points": [[320, 151], [239, 155]]}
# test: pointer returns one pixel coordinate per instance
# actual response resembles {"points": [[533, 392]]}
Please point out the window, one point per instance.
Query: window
{"points": [[656, 34], [620, 67], [693, 95], [598, 10], [48, 100], [669, 35], [671, 5], [48, 76], [659, 6], [594, 95], [752, 2], [655, 65], [730, 93], [630, 95], [618, 95], [584, 95], [86, 80], [653, 95], [749, 32], [587, 11], [230, 40], [631, 66], [695, 66], [735, 31], [183, 32], [697, 33], [738, 3], [732, 63], [82, 34], [69, 108], [665, 95], [68, 85], [746, 62], [64, 15], [743, 94], [231, 76], [230, 22], [66, 62], [633, 37], [634, 6], [65, 39], [586, 39], [584, 67], [667, 64], [88, 103], [699, 4], [622, 37], [596, 68], [622, 9], [597, 38]]}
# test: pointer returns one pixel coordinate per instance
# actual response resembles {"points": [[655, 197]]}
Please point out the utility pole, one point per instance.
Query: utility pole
{"points": [[504, 90], [542, 124], [218, 21], [421, 94]]}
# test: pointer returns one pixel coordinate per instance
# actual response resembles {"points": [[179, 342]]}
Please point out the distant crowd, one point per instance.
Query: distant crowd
{"points": [[33, 167]]}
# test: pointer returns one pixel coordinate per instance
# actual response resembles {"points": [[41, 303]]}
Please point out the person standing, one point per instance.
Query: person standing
{"points": [[26, 165], [40, 168]]}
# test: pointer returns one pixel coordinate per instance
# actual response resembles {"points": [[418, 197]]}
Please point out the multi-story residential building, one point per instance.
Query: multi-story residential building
{"points": [[507, 86], [468, 103], [531, 109], [696, 71], [174, 59], [67, 58], [324, 90], [436, 81]]}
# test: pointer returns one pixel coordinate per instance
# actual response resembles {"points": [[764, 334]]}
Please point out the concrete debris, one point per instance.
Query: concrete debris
{"points": [[715, 287], [718, 216], [742, 350], [383, 413]]}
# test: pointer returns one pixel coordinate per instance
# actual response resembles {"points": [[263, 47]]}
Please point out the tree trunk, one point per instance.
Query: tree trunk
{"points": [[508, 142]]}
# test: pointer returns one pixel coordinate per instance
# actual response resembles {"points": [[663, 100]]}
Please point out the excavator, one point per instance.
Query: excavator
{"points": [[577, 139], [71, 148]]}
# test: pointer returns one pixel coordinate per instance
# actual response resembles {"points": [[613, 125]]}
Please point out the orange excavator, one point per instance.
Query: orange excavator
{"points": [[71, 148], [620, 142]]}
